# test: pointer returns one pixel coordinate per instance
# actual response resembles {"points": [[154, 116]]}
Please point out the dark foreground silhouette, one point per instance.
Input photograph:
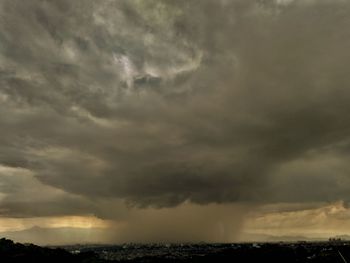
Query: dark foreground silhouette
{"points": [[135, 253], [15, 252]]}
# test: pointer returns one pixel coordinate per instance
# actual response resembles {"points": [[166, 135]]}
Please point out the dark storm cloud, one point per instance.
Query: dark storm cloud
{"points": [[159, 102]]}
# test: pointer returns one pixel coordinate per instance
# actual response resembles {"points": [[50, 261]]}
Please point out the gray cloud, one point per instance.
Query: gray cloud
{"points": [[160, 102]]}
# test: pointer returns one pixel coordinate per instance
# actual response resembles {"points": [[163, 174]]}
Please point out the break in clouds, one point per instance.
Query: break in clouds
{"points": [[157, 103]]}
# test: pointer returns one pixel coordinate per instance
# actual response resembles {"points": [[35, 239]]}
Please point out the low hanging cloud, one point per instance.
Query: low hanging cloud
{"points": [[157, 103], [315, 222]]}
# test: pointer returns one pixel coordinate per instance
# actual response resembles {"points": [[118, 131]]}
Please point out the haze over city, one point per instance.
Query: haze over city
{"points": [[174, 121]]}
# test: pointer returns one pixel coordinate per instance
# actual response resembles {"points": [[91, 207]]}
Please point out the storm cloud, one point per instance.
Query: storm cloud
{"points": [[158, 103]]}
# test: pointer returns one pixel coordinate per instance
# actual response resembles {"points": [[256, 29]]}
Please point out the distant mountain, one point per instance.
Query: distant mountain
{"points": [[343, 237], [271, 238], [59, 236], [70, 235]]}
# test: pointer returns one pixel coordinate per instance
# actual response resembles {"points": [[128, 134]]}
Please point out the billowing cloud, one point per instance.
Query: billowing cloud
{"points": [[159, 103]]}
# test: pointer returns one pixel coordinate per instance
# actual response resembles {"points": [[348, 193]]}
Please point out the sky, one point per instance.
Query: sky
{"points": [[174, 121]]}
